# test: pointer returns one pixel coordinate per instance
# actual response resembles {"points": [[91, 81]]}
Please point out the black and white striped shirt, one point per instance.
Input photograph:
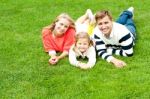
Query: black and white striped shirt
{"points": [[120, 42]]}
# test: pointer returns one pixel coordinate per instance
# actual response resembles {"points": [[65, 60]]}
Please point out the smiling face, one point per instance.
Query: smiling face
{"points": [[82, 44], [61, 26], [105, 25]]}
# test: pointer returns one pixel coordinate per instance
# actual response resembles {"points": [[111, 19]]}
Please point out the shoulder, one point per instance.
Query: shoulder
{"points": [[71, 50], [96, 30], [120, 29], [91, 49], [70, 33], [96, 33], [70, 30], [45, 32]]}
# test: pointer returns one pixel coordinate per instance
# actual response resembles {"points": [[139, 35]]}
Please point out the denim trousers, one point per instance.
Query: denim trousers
{"points": [[126, 19]]}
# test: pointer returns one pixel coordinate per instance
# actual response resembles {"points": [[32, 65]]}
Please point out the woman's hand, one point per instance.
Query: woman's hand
{"points": [[53, 60]]}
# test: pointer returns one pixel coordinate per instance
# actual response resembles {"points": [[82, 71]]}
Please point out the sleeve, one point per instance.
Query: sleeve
{"points": [[72, 58], [69, 39], [46, 40], [91, 57], [101, 49], [126, 50]]}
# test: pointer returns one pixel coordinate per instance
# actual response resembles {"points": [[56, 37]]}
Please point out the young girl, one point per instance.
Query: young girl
{"points": [[85, 23], [58, 37], [82, 47]]}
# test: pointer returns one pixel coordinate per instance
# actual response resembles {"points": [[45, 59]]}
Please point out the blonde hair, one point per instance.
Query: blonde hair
{"points": [[62, 15], [83, 35]]}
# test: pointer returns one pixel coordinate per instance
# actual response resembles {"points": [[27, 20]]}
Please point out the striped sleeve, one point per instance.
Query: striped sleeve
{"points": [[101, 49], [126, 43], [126, 50]]}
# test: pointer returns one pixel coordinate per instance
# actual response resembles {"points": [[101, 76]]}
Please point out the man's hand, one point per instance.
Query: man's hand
{"points": [[118, 63]]}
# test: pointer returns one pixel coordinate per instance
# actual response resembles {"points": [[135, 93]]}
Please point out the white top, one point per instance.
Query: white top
{"points": [[120, 42], [90, 54]]}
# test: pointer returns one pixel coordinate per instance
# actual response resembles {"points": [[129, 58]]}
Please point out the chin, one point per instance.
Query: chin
{"points": [[82, 51], [105, 33]]}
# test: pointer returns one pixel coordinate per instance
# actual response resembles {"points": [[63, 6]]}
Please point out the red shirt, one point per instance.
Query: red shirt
{"points": [[60, 44]]}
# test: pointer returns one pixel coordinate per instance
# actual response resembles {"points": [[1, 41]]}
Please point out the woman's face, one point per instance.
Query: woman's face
{"points": [[61, 26], [82, 44]]}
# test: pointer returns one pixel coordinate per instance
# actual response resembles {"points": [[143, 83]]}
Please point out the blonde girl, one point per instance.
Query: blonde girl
{"points": [[58, 37], [83, 47]]}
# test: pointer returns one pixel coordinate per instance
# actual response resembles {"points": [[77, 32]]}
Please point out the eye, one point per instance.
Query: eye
{"points": [[66, 26], [105, 22], [99, 23], [85, 44], [61, 24]]}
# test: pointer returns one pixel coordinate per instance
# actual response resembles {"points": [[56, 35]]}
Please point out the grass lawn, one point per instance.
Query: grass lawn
{"points": [[24, 69]]}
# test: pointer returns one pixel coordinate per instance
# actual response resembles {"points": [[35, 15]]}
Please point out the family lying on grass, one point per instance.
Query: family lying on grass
{"points": [[90, 34]]}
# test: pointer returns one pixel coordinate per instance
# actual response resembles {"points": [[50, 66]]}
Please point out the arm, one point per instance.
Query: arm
{"points": [[102, 52], [91, 57], [69, 39], [126, 50], [46, 40], [62, 55], [101, 49], [54, 59], [72, 58]]}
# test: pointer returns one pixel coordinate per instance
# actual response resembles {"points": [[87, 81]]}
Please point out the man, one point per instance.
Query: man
{"points": [[114, 37]]}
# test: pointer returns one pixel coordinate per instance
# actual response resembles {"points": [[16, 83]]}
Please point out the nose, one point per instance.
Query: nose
{"points": [[62, 27], [103, 26]]}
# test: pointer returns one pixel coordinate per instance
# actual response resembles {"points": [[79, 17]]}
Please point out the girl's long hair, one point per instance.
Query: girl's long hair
{"points": [[65, 16]]}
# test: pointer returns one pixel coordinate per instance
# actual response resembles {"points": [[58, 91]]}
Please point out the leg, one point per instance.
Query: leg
{"points": [[131, 26], [82, 19], [124, 17]]}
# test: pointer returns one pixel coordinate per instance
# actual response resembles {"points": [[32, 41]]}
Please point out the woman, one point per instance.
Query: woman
{"points": [[58, 37]]}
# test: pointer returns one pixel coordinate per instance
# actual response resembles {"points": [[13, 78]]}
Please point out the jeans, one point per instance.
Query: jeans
{"points": [[126, 19]]}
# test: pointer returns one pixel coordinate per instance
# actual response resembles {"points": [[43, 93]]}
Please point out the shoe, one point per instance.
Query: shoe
{"points": [[131, 9]]}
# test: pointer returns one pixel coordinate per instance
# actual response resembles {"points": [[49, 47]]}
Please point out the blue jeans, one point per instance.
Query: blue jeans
{"points": [[126, 19]]}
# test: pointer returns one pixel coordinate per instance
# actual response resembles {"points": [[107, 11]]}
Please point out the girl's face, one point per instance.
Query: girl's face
{"points": [[82, 44], [105, 25], [61, 26]]}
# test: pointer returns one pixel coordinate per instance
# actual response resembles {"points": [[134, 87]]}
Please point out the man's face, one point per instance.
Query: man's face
{"points": [[105, 25]]}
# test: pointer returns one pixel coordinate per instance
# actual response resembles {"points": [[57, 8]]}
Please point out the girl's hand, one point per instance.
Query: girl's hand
{"points": [[83, 66]]}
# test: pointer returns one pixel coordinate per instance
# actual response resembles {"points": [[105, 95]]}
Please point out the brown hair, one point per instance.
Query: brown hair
{"points": [[101, 14], [63, 15], [83, 35]]}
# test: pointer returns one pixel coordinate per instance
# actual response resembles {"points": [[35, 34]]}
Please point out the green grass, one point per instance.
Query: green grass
{"points": [[24, 69]]}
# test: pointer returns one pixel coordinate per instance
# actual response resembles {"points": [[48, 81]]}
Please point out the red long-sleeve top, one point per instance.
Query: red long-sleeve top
{"points": [[60, 44]]}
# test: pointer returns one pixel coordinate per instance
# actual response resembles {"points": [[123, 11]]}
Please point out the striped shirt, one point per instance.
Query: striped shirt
{"points": [[120, 42]]}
